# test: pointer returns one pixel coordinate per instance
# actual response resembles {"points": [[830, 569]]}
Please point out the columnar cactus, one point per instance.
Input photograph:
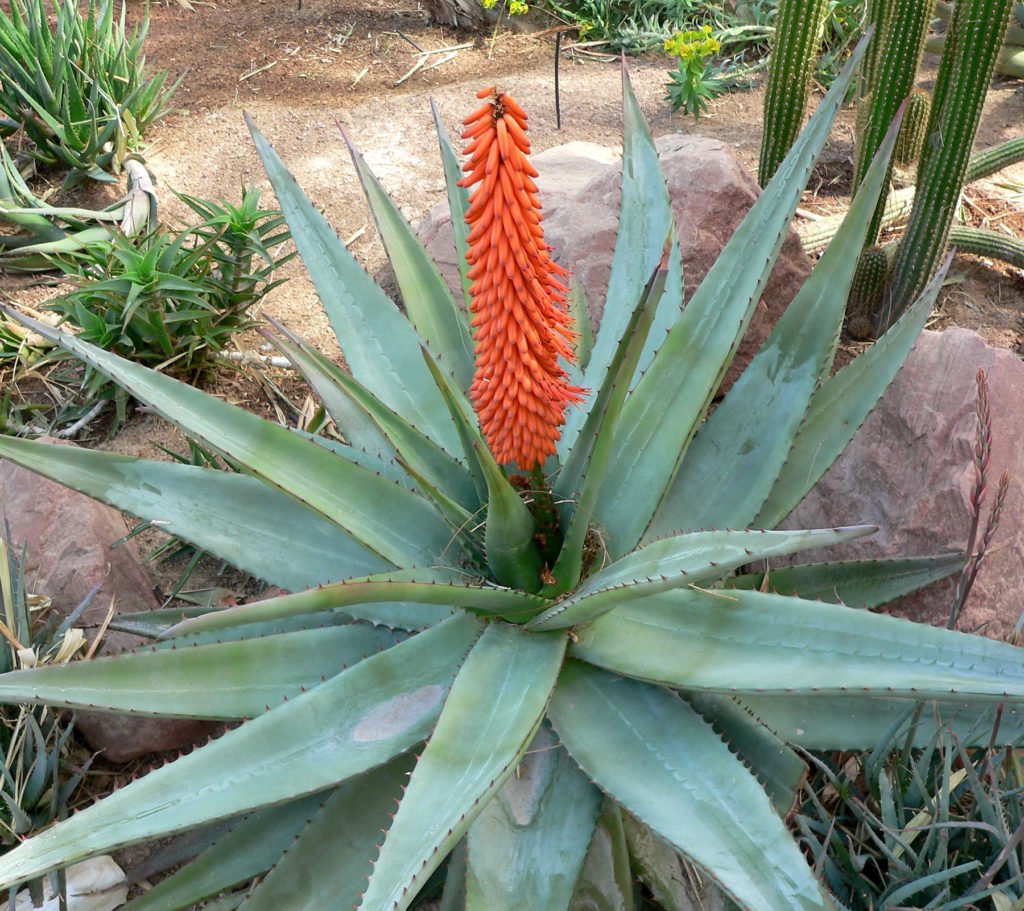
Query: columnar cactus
{"points": [[974, 39], [866, 292], [899, 50], [910, 141], [798, 31]]}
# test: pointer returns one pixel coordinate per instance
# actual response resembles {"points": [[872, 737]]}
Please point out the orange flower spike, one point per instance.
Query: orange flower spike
{"points": [[520, 324]]}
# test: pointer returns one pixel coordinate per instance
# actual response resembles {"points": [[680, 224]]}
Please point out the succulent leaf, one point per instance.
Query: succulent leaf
{"points": [[417, 452], [458, 200], [226, 680], [645, 219], [739, 641], [377, 709], [684, 560], [853, 722], [547, 802], [443, 590], [512, 553], [855, 583], [581, 479], [658, 758], [668, 403], [251, 848], [488, 721], [380, 346], [751, 432], [841, 405], [430, 305], [220, 511], [328, 864], [606, 881], [777, 766], [394, 523]]}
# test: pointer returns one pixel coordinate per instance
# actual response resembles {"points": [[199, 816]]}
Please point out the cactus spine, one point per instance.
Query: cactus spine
{"points": [[910, 141], [901, 44], [965, 72], [798, 32]]}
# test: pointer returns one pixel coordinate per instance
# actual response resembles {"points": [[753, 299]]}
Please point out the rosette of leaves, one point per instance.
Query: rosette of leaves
{"points": [[554, 728]]}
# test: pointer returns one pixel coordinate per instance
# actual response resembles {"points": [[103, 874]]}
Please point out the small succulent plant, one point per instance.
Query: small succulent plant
{"points": [[500, 647]]}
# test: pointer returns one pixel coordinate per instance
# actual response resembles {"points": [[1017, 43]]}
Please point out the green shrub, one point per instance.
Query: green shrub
{"points": [[78, 87], [172, 300]]}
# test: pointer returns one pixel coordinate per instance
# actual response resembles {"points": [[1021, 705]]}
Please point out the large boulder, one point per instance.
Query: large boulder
{"points": [[74, 545], [910, 471], [711, 192]]}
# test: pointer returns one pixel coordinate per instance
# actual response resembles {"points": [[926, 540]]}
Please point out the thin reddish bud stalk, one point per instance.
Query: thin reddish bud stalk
{"points": [[982, 457], [520, 321]]}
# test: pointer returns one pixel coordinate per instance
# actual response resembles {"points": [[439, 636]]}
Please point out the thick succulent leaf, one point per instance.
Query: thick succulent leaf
{"points": [[657, 757], [845, 722], [856, 583], [488, 720], [669, 401], [464, 418], [323, 377], [580, 313], [380, 345], [739, 641], [227, 680], [749, 435], [683, 560], [399, 587], [606, 880], [402, 615], [579, 482], [645, 218], [842, 404], [527, 845], [453, 897], [393, 522], [249, 849], [512, 553], [353, 722], [239, 518], [440, 322], [329, 863], [779, 769], [458, 200]]}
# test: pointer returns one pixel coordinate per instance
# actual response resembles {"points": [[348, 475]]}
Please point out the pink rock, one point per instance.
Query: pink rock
{"points": [[69, 540], [909, 470], [710, 192]]}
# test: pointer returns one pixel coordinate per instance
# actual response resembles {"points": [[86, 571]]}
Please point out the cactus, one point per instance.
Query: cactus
{"points": [[900, 47], [915, 123], [867, 290], [973, 42], [798, 32], [982, 242]]}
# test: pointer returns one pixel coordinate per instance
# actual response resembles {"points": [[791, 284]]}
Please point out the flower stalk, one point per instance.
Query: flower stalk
{"points": [[520, 321]]}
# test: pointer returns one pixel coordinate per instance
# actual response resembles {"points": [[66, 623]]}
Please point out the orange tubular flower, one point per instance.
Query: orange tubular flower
{"points": [[520, 323]]}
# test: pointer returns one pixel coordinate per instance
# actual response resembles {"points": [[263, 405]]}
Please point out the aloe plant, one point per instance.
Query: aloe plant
{"points": [[585, 676]]}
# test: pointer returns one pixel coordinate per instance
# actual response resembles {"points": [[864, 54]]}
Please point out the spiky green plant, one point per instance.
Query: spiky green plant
{"points": [[900, 38], [867, 289], [77, 84], [914, 129], [975, 36], [634, 671], [799, 26]]}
